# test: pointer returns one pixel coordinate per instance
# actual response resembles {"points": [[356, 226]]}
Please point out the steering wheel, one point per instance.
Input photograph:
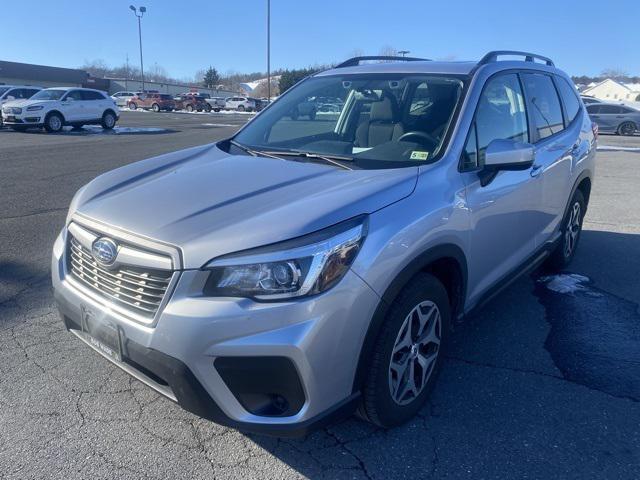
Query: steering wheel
{"points": [[421, 136]]}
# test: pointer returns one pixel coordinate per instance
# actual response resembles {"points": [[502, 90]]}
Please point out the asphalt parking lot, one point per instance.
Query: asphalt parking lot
{"points": [[543, 382]]}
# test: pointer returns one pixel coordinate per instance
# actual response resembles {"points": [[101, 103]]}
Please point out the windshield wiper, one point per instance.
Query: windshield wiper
{"points": [[252, 152], [332, 159]]}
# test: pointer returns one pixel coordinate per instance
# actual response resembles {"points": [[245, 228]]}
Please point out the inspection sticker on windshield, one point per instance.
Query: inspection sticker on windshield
{"points": [[418, 155]]}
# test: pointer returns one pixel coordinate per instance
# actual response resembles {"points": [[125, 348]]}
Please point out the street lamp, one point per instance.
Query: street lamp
{"points": [[142, 10], [269, 50], [403, 52]]}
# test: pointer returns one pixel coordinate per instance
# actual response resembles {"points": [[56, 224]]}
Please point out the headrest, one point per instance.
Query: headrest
{"points": [[382, 110]]}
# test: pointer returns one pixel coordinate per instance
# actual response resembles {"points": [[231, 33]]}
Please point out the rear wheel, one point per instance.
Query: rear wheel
{"points": [[53, 123], [207, 108], [407, 353], [189, 108], [155, 107], [108, 120], [570, 233], [627, 128]]}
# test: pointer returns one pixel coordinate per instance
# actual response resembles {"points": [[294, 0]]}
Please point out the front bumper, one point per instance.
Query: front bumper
{"points": [[23, 119], [191, 353]]}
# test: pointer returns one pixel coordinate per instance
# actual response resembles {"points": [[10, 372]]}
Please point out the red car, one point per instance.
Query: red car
{"points": [[154, 101], [191, 102]]}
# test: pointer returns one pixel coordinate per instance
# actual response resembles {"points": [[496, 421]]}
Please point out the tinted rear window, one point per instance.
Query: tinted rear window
{"points": [[165, 97], [545, 104], [569, 98]]}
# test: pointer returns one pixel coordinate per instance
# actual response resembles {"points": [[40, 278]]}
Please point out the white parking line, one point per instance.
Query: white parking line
{"points": [[611, 148]]}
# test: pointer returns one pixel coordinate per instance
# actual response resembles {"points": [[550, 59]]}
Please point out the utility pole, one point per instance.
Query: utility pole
{"points": [[142, 10], [269, 50], [403, 52]]}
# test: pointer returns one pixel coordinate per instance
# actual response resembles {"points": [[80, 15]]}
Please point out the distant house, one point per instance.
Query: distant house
{"points": [[612, 91]]}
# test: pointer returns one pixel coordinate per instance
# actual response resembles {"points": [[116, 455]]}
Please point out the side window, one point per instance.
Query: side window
{"points": [[569, 98], [89, 95], [470, 153], [593, 108], [15, 93], [31, 92], [75, 94], [610, 109], [545, 104], [501, 113]]}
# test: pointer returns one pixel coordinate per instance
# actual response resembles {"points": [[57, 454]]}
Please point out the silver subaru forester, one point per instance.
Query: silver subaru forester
{"points": [[312, 266]]}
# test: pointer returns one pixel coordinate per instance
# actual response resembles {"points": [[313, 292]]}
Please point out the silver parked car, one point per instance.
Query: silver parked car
{"points": [[11, 93], [612, 118], [305, 269]]}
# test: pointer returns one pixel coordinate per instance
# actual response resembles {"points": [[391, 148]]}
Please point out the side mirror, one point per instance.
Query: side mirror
{"points": [[68, 99], [508, 155]]}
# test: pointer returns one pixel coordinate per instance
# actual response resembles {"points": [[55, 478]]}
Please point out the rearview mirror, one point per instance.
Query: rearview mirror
{"points": [[508, 155]]}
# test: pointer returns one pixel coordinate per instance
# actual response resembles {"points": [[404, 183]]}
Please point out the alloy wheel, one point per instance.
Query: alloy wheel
{"points": [[55, 123], [627, 128], [415, 352], [572, 230]]}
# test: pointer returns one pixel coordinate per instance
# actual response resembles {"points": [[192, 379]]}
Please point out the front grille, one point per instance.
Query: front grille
{"points": [[136, 289]]}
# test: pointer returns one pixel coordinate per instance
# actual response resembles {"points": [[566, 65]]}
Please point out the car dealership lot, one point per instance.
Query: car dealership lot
{"points": [[538, 384]]}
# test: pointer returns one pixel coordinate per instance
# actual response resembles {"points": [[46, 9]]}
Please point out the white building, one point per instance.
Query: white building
{"points": [[613, 91]]}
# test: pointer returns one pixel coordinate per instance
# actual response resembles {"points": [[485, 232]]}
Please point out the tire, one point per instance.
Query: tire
{"points": [[207, 108], [627, 128], [133, 106], [155, 107], [189, 108], [216, 110], [108, 121], [571, 230], [389, 399], [53, 123], [240, 108]]}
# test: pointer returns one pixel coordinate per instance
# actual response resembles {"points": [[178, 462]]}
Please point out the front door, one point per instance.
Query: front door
{"points": [[504, 209], [72, 106]]}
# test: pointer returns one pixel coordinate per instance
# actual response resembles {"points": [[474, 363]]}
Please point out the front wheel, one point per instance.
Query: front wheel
{"points": [[108, 121], [53, 123], [189, 108], [133, 106], [407, 353], [570, 233], [241, 108], [155, 107]]}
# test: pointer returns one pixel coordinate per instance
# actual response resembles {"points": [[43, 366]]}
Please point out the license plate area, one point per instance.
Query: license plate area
{"points": [[102, 334]]}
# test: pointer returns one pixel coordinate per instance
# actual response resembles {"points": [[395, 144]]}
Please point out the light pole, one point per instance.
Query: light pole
{"points": [[139, 17], [403, 52], [269, 50]]}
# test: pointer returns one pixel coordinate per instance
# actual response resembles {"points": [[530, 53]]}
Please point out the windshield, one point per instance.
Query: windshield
{"points": [[49, 95], [3, 90], [378, 121]]}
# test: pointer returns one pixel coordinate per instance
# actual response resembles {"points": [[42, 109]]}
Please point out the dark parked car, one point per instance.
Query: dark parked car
{"points": [[191, 102], [154, 101], [618, 119]]}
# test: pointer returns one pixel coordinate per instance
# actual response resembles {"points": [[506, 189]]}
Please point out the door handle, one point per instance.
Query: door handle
{"points": [[536, 170]]}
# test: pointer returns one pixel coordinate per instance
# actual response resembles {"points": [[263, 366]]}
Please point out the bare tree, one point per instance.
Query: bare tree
{"points": [[615, 74], [388, 51]]}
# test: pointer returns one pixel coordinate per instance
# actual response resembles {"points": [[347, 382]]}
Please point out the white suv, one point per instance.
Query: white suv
{"points": [[240, 104], [53, 108], [9, 93], [122, 98]]}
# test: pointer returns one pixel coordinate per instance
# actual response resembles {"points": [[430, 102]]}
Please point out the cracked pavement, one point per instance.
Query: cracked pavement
{"points": [[511, 401]]}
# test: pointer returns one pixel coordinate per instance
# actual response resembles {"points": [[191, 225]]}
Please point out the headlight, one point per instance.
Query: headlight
{"points": [[34, 108], [304, 266]]}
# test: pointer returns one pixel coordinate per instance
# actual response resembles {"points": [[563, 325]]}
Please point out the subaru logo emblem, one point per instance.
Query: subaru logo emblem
{"points": [[104, 251]]}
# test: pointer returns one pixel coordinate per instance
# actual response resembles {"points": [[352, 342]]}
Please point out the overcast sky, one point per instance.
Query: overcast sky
{"points": [[583, 37]]}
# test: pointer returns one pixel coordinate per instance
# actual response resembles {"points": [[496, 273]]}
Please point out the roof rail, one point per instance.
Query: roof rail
{"points": [[528, 57], [355, 61]]}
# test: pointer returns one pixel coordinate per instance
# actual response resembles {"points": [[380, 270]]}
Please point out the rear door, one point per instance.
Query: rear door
{"points": [[609, 117], [504, 208], [555, 137], [94, 104]]}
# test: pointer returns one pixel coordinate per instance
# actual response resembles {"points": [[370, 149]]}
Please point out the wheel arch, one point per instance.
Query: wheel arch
{"points": [[109, 110], [448, 264], [51, 112]]}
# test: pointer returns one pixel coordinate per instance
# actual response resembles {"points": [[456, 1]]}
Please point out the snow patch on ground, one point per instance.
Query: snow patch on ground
{"points": [[613, 148], [565, 283], [91, 129]]}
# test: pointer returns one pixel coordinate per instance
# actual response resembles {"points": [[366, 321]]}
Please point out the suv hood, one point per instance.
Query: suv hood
{"points": [[26, 103], [210, 203]]}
